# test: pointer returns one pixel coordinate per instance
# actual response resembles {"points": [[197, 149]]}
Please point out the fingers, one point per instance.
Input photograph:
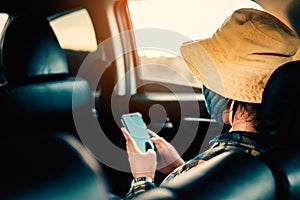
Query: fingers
{"points": [[159, 140], [130, 143], [151, 153], [126, 135], [159, 143], [156, 139], [152, 133]]}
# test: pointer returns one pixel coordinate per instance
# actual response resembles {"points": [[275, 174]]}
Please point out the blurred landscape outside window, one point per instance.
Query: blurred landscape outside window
{"points": [[3, 20], [75, 31], [195, 19]]}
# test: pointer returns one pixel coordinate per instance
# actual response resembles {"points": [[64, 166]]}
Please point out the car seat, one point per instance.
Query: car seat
{"points": [[281, 118], [38, 90], [41, 155], [49, 166], [230, 175]]}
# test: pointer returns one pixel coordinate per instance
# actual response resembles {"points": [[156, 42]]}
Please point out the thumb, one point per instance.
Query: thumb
{"points": [[151, 153]]}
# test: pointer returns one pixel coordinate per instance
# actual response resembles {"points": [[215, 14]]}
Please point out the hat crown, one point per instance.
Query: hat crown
{"points": [[251, 31]]}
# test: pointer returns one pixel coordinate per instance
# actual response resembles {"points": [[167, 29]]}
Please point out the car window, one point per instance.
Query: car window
{"points": [[75, 31], [3, 20], [179, 21]]}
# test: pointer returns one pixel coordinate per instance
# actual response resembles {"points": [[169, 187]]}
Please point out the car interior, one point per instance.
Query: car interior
{"points": [[61, 101]]}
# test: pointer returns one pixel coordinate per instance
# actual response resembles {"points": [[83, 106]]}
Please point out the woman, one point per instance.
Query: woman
{"points": [[234, 66]]}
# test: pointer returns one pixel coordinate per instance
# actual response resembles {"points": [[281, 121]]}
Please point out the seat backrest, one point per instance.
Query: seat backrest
{"points": [[39, 91], [230, 175], [49, 166], [280, 115]]}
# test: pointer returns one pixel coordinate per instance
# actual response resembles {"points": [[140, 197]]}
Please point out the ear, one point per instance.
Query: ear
{"points": [[225, 116]]}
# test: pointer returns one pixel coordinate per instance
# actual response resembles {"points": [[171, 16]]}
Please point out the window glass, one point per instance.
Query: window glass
{"points": [[75, 31], [184, 20], [3, 20]]}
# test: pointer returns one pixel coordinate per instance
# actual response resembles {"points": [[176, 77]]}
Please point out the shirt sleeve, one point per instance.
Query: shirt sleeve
{"points": [[139, 188]]}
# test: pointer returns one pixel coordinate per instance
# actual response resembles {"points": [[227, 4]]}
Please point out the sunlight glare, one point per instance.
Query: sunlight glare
{"points": [[196, 19]]}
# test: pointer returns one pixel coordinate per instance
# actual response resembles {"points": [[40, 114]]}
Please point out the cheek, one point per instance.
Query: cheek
{"points": [[225, 117]]}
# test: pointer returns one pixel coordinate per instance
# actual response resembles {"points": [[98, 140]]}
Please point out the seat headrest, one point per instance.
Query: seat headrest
{"points": [[280, 102], [30, 49]]}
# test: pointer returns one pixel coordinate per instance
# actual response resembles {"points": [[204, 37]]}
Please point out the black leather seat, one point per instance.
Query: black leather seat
{"points": [[231, 175], [40, 156], [38, 92], [281, 118], [54, 166]]}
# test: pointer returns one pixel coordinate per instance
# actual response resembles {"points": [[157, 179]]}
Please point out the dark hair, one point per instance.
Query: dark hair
{"points": [[252, 109]]}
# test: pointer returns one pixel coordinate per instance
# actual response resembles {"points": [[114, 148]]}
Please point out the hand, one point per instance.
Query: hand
{"points": [[141, 164], [168, 158]]}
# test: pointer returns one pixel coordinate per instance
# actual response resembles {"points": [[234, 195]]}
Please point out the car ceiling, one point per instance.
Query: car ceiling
{"points": [[286, 10]]}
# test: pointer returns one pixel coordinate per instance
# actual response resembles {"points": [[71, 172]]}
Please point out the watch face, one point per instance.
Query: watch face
{"points": [[139, 179], [146, 179]]}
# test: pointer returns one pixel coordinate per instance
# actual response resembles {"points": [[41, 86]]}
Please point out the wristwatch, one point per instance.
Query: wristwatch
{"points": [[146, 179]]}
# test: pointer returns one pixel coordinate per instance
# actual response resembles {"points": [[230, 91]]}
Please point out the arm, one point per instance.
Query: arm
{"points": [[141, 165]]}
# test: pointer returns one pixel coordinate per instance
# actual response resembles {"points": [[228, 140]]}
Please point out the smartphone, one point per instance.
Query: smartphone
{"points": [[135, 125]]}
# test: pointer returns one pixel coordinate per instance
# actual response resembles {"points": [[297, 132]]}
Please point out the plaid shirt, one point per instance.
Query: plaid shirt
{"points": [[237, 141]]}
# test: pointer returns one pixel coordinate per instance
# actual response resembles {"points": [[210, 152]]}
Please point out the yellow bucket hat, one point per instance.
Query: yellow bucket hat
{"points": [[239, 58]]}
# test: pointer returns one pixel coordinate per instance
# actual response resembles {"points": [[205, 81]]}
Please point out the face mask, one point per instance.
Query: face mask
{"points": [[215, 104]]}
